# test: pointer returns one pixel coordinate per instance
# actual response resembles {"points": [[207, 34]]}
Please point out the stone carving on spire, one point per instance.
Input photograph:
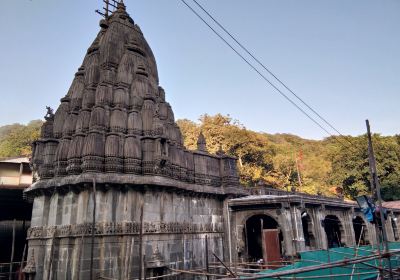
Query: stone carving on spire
{"points": [[49, 114], [201, 143]]}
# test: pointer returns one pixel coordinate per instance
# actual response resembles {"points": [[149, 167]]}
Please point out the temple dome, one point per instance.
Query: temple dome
{"points": [[114, 119]]}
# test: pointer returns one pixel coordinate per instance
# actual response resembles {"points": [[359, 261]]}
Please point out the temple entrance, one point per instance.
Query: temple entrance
{"points": [[360, 231], [309, 238], [254, 235], [333, 228]]}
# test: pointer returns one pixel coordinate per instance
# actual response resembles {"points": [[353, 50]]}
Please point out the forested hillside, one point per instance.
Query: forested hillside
{"points": [[330, 166]]}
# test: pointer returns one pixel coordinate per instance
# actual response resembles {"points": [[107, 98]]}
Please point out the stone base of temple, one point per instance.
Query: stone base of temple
{"points": [[171, 233]]}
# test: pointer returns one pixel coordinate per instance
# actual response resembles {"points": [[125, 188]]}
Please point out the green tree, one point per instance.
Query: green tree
{"points": [[190, 131], [326, 167], [16, 139], [350, 166]]}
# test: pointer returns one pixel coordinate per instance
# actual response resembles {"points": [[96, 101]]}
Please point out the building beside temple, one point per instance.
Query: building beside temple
{"points": [[110, 169], [15, 211], [301, 222]]}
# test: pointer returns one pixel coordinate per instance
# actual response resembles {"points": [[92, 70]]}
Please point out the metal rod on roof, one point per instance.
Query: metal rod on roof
{"points": [[12, 250], [100, 13], [110, 4], [107, 3]]}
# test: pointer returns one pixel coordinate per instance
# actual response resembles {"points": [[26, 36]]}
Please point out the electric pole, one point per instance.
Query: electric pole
{"points": [[376, 190]]}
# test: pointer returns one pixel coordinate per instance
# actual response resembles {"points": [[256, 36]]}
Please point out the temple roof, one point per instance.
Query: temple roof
{"points": [[114, 120]]}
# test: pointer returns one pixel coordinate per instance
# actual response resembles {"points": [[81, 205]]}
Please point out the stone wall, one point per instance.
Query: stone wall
{"points": [[174, 224]]}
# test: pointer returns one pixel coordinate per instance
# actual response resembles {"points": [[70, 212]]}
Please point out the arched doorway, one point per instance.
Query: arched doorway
{"points": [[309, 238], [254, 237], [360, 231], [334, 229]]}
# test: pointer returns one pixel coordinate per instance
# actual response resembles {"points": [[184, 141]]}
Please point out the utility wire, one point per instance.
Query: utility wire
{"points": [[266, 79], [268, 70], [260, 74]]}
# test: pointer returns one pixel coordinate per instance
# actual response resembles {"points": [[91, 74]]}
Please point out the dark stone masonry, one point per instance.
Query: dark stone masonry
{"points": [[156, 201], [115, 129]]}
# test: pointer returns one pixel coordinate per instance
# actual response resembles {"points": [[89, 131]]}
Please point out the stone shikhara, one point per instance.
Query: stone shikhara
{"points": [[115, 127], [114, 119]]}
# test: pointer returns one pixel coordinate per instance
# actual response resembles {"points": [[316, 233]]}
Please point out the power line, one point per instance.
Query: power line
{"points": [[262, 75], [268, 70], [265, 78]]}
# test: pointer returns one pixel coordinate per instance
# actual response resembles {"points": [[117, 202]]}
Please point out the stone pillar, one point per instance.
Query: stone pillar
{"points": [[318, 229], [40, 211], [69, 209], [389, 228], [395, 221], [298, 227], [82, 207], [30, 268], [347, 221], [229, 252], [36, 251], [287, 229], [372, 233]]}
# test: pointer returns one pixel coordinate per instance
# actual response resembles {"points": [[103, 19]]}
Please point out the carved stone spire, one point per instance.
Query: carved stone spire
{"points": [[114, 118], [115, 128], [201, 143]]}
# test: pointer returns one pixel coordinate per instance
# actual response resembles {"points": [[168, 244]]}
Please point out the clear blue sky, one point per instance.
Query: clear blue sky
{"points": [[342, 57]]}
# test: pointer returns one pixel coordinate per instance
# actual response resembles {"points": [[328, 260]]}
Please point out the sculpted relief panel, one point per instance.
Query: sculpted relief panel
{"points": [[123, 228]]}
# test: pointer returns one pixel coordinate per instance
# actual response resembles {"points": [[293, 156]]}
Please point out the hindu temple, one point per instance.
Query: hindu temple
{"points": [[112, 153], [116, 195]]}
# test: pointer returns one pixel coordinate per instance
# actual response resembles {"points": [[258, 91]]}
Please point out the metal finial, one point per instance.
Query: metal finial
{"points": [[109, 7]]}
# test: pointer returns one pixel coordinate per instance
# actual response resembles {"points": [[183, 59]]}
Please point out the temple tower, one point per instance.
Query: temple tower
{"points": [[155, 200]]}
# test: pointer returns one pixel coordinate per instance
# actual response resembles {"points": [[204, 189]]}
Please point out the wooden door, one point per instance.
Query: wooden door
{"points": [[271, 247]]}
